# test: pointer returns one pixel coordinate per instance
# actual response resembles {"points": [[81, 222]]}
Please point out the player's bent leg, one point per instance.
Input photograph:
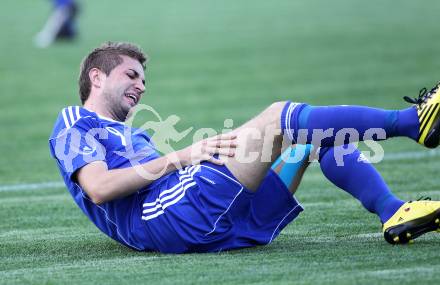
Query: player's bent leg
{"points": [[292, 164], [349, 170], [402, 222]]}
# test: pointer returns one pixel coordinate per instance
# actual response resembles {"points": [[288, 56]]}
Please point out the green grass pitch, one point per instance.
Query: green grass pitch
{"points": [[218, 60]]}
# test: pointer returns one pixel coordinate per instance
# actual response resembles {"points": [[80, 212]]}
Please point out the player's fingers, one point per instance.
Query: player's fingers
{"points": [[223, 140], [216, 161], [220, 144], [228, 136], [226, 152], [220, 150]]}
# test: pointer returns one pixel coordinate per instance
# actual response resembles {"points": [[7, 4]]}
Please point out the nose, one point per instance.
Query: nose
{"points": [[140, 86]]}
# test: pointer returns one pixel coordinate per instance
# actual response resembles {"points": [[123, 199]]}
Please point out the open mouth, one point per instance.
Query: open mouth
{"points": [[132, 97]]}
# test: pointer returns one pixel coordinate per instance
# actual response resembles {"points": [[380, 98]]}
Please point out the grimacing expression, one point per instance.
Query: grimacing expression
{"points": [[123, 87]]}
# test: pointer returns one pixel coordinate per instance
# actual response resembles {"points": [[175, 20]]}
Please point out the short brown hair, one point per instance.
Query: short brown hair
{"points": [[106, 58]]}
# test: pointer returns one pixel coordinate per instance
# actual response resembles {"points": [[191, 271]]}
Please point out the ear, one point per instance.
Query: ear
{"points": [[96, 77]]}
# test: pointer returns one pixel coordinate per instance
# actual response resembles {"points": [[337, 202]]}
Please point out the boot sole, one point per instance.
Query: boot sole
{"points": [[407, 232], [433, 137]]}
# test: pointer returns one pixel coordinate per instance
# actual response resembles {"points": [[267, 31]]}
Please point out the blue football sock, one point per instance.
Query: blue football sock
{"points": [[320, 125], [360, 179]]}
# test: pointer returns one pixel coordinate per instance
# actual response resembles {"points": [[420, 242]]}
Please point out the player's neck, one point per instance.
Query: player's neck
{"points": [[98, 109]]}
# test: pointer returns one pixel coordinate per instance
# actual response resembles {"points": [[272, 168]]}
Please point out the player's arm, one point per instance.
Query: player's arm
{"points": [[103, 185]]}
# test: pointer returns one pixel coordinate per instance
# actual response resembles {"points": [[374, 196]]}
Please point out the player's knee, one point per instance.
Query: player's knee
{"points": [[279, 105], [275, 108], [272, 114]]}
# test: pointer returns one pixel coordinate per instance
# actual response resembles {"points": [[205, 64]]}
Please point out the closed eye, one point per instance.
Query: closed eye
{"points": [[133, 74]]}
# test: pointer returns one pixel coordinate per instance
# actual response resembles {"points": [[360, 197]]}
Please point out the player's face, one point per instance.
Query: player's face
{"points": [[124, 87]]}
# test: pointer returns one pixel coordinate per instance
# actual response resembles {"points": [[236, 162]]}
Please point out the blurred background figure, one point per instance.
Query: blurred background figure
{"points": [[61, 24]]}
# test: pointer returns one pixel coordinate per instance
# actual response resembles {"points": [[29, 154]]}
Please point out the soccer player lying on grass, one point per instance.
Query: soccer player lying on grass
{"points": [[205, 198]]}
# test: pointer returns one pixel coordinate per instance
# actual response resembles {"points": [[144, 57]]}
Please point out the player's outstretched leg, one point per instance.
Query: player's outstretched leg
{"points": [[262, 136], [330, 125]]}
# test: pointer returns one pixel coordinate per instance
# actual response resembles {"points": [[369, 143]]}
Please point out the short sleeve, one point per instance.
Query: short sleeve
{"points": [[78, 145]]}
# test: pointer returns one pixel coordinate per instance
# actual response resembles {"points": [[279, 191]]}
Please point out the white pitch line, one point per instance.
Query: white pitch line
{"points": [[393, 156], [31, 186], [411, 155]]}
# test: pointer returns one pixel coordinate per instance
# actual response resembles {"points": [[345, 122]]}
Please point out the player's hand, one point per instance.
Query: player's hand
{"points": [[204, 150]]}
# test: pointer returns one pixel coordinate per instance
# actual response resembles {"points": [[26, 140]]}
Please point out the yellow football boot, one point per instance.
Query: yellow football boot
{"points": [[428, 110], [413, 219]]}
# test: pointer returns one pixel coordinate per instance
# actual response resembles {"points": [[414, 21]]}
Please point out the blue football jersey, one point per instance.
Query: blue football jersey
{"points": [[80, 137]]}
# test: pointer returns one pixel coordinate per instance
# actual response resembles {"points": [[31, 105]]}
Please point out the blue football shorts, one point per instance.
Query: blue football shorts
{"points": [[204, 208]]}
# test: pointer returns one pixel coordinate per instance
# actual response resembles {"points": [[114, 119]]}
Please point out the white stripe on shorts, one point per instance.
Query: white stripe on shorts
{"points": [[183, 179], [158, 206], [166, 205]]}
